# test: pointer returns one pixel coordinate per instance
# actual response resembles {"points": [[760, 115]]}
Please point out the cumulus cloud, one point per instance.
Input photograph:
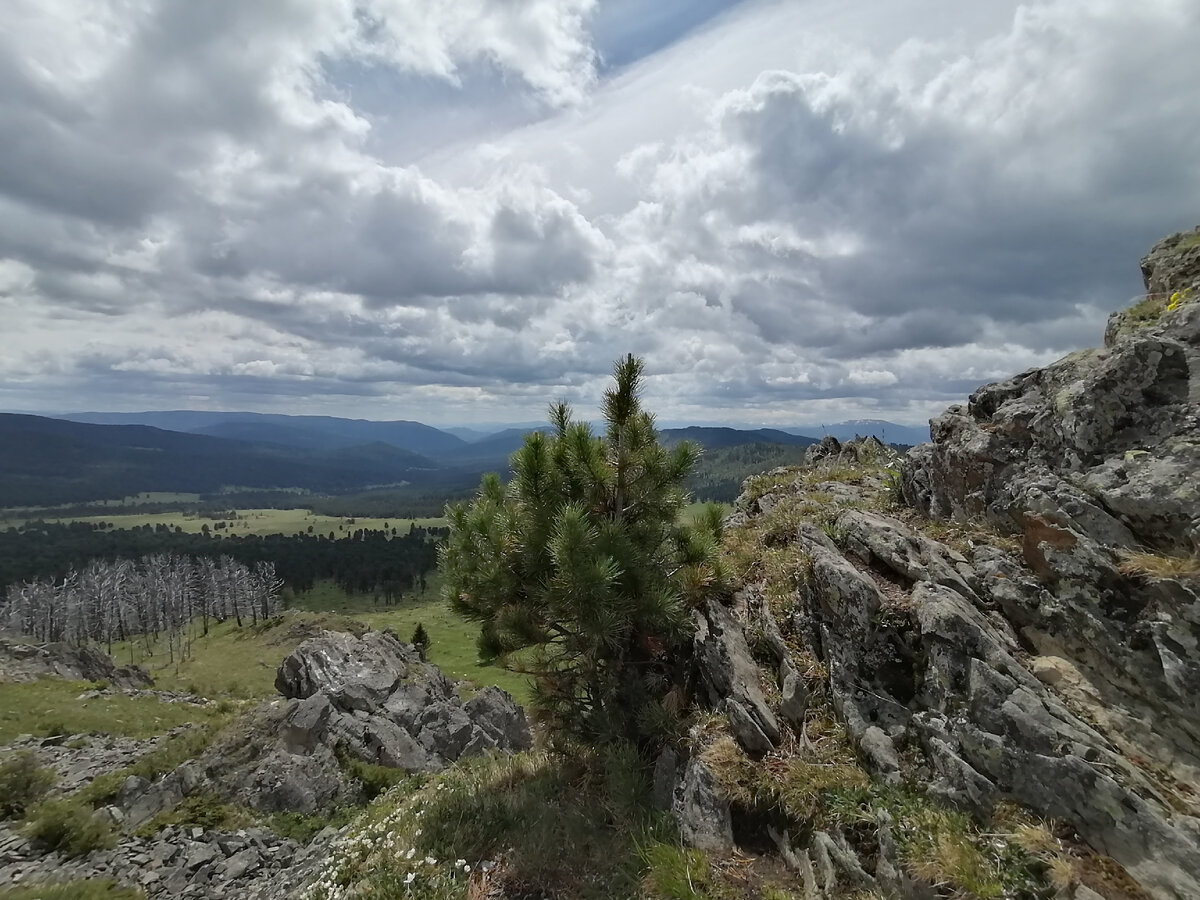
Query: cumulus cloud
{"points": [[199, 206]]}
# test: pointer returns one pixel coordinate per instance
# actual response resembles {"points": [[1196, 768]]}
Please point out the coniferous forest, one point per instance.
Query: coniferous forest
{"points": [[363, 561]]}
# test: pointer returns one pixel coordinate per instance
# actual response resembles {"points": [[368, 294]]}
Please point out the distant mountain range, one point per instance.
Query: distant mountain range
{"points": [[306, 432], [91, 456], [52, 461]]}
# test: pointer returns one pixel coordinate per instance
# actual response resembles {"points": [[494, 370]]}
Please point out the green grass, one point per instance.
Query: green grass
{"points": [[230, 662], [557, 824], [51, 705], [327, 597], [87, 889]]}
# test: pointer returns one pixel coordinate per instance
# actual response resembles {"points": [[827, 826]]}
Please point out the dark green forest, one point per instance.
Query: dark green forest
{"points": [[364, 561]]}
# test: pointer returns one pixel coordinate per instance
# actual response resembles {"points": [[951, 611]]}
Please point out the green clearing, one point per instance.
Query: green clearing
{"points": [[692, 510], [230, 662], [53, 706], [240, 663], [247, 521]]}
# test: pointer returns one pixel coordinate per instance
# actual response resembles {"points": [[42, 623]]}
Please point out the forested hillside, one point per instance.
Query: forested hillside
{"points": [[362, 561]]}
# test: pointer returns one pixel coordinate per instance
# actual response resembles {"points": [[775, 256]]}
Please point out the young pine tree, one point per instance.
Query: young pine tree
{"points": [[581, 573], [420, 638]]}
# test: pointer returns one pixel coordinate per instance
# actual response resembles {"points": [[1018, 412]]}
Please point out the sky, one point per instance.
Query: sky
{"points": [[456, 211]]}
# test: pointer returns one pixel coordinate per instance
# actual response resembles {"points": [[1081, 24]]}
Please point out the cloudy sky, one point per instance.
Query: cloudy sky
{"points": [[458, 210]]}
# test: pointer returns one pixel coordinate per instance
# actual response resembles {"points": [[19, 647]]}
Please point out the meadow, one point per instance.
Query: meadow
{"points": [[231, 664], [242, 522]]}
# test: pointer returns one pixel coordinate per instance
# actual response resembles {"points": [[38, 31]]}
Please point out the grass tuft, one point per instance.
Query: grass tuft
{"points": [[22, 783], [68, 826], [87, 889], [677, 873], [200, 810], [1158, 565]]}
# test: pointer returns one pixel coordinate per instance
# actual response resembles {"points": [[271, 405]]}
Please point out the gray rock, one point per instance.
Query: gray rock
{"points": [[705, 821], [666, 775], [200, 854], [495, 712], [727, 669], [241, 863], [746, 729], [334, 659], [794, 705], [879, 751], [26, 661]]}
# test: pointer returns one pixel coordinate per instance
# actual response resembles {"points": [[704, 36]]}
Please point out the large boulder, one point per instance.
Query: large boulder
{"points": [[23, 661], [376, 698]]}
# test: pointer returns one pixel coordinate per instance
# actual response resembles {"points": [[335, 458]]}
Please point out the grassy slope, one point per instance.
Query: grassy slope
{"points": [[53, 706]]}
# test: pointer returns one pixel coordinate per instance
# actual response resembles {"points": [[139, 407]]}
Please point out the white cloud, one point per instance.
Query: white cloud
{"points": [[806, 208]]}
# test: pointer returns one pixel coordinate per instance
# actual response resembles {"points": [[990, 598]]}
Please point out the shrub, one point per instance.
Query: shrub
{"points": [[69, 826], [22, 783], [201, 810], [374, 779], [303, 828]]}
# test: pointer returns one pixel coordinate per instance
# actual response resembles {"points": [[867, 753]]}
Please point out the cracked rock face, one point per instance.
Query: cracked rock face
{"points": [[1097, 453], [1043, 661], [376, 697]]}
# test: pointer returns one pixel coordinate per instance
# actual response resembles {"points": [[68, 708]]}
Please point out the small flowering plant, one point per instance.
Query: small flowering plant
{"points": [[380, 858], [1178, 298]]}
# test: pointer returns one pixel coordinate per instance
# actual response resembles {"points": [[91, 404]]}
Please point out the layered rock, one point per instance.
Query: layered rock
{"points": [[378, 699], [371, 697], [1043, 646]]}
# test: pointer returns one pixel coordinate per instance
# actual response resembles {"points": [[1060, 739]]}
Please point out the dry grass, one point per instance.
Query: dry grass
{"points": [[949, 858], [1158, 565]]}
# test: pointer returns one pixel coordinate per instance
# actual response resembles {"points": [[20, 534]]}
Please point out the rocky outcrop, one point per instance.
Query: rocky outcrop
{"points": [[1088, 461], [379, 700], [21, 661], [1104, 443], [248, 864], [370, 697], [367, 697], [1026, 631]]}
